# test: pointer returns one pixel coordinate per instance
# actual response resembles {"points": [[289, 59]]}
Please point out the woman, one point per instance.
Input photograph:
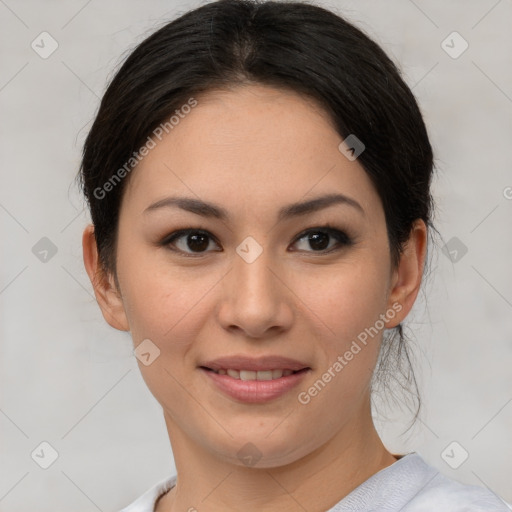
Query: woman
{"points": [[258, 176]]}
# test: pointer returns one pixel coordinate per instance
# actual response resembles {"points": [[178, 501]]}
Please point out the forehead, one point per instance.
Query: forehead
{"points": [[251, 146]]}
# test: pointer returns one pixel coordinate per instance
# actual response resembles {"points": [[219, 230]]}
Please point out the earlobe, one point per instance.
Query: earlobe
{"points": [[407, 277], [107, 295]]}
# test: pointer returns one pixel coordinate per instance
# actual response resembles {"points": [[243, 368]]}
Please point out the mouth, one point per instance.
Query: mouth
{"points": [[254, 380], [260, 375]]}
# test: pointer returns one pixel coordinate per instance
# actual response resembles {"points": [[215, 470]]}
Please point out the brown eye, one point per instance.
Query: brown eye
{"points": [[189, 241], [319, 239], [197, 242]]}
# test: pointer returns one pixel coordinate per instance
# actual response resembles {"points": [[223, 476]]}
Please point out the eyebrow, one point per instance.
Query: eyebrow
{"points": [[206, 209]]}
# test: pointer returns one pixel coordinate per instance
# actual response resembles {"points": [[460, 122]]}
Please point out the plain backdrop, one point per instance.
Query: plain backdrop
{"points": [[70, 380]]}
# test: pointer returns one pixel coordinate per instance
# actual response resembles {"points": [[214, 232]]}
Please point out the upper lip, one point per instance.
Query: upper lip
{"points": [[241, 362]]}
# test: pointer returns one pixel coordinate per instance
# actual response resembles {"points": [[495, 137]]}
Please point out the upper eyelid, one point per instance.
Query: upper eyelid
{"points": [[184, 231], [332, 230]]}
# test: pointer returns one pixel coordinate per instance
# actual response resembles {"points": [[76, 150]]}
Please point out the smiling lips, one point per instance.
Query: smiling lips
{"points": [[255, 380], [252, 375]]}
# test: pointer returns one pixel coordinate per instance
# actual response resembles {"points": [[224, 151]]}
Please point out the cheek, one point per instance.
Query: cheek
{"points": [[346, 299], [346, 306], [163, 302], [169, 312]]}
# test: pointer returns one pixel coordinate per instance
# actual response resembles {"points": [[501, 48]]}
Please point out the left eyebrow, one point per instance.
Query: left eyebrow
{"points": [[206, 209], [319, 203]]}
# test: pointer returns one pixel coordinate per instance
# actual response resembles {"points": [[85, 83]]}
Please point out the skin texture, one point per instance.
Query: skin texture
{"points": [[253, 150]]}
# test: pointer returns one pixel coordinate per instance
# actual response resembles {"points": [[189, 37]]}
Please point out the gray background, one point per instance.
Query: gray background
{"points": [[69, 379]]}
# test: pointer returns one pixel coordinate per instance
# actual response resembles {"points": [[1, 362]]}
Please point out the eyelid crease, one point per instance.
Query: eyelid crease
{"points": [[342, 237]]}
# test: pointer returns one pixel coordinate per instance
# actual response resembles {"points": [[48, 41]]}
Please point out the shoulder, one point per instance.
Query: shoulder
{"points": [[413, 485], [433, 489], [146, 502], [448, 495]]}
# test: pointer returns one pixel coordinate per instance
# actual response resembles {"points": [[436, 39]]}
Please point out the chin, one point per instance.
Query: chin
{"points": [[262, 451]]}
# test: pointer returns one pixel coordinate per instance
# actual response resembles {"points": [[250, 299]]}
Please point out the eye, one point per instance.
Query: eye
{"points": [[319, 239], [193, 240]]}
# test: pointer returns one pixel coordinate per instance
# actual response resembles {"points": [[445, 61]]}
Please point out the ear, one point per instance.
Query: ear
{"points": [[406, 279], [108, 297]]}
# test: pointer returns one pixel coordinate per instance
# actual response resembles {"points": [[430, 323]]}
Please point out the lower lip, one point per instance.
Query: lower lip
{"points": [[255, 391]]}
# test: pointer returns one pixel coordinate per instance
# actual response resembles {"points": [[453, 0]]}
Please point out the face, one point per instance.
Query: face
{"points": [[253, 278]]}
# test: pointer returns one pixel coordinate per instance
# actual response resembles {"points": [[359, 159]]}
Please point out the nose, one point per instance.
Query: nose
{"points": [[255, 298]]}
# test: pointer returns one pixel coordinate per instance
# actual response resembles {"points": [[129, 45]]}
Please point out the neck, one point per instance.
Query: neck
{"points": [[315, 482]]}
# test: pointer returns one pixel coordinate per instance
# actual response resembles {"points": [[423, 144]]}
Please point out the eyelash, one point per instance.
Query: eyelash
{"points": [[343, 240]]}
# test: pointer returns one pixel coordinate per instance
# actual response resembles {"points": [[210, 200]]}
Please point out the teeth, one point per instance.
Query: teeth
{"points": [[247, 375], [276, 374], [265, 375], [253, 375]]}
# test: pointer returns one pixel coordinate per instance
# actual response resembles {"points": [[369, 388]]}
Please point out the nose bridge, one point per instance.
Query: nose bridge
{"points": [[253, 280], [254, 300]]}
